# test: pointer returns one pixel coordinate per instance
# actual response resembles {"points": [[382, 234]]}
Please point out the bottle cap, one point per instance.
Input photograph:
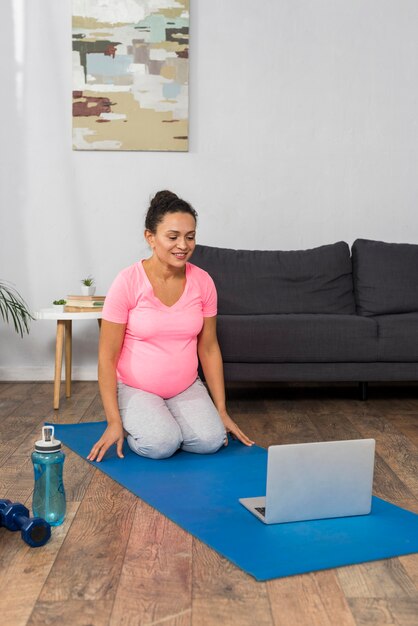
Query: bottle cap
{"points": [[48, 443]]}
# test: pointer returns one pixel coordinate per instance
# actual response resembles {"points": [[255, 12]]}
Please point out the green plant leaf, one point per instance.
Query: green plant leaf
{"points": [[14, 308]]}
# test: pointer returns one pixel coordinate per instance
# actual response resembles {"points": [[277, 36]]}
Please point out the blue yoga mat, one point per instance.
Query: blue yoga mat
{"points": [[200, 493]]}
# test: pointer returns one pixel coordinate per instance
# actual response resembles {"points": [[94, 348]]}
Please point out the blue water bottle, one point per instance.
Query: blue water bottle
{"points": [[48, 462]]}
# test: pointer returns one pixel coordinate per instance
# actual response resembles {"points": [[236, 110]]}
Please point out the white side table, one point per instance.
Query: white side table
{"points": [[64, 327]]}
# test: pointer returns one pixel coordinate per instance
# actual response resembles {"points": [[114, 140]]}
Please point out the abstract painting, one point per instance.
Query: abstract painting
{"points": [[130, 74]]}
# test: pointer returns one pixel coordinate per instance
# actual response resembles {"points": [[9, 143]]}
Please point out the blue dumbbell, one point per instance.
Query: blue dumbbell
{"points": [[14, 516]]}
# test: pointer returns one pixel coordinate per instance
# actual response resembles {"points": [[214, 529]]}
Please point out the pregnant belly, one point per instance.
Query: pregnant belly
{"points": [[165, 377]]}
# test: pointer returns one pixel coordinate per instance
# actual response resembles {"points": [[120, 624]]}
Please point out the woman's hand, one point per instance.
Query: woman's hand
{"points": [[236, 432], [112, 434]]}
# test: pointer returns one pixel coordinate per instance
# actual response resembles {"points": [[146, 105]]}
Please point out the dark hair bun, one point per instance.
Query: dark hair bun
{"points": [[163, 199], [165, 202]]}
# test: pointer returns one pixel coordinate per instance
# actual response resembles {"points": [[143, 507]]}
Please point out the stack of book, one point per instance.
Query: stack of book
{"points": [[84, 304]]}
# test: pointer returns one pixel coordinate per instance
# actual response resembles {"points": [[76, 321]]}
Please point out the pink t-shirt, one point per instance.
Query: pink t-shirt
{"points": [[159, 352]]}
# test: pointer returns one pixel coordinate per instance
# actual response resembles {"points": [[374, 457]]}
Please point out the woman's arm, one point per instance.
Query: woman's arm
{"points": [[211, 360], [110, 345]]}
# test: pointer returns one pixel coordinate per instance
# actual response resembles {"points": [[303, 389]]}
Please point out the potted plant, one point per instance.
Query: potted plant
{"points": [[13, 306], [58, 305], [87, 286]]}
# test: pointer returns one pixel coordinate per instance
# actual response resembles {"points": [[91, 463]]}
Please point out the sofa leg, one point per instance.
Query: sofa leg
{"points": [[363, 391]]}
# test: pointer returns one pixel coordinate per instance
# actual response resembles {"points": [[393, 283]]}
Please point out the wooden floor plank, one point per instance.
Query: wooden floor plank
{"points": [[4, 387], [379, 579], [273, 425], [13, 431], [36, 401], [392, 398], [394, 447], [90, 561], [16, 425], [95, 412], [387, 484], [17, 477], [410, 564], [406, 424], [72, 410], [8, 406], [224, 594], [18, 390], [121, 562], [24, 570], [156, 580], [312, 600], [72, 612], [381, 612]]}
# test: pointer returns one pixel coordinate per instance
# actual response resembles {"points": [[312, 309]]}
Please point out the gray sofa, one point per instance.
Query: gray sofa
{"points": [[317, 315]]}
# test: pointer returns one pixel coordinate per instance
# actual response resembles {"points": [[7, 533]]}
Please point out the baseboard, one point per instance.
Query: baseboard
{"points": [[9, 374]]}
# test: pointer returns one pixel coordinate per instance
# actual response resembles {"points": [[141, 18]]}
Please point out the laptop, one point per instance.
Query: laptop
{"points": [[310, 481]]}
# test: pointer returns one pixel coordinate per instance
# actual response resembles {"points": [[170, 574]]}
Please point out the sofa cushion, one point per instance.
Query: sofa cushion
{"points": [[398, 337], [297, 338], [266, 282], [385, 277]]}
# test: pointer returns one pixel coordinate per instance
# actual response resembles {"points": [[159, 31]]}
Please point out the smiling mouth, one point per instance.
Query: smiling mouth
{"points": [[180, 254]]}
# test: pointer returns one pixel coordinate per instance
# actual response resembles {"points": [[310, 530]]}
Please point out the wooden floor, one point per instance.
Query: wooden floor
{"points": [[115, 560]]}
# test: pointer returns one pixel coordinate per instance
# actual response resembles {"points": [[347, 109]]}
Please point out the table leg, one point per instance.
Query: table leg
{"points": [[68, 356], [58, 362]]}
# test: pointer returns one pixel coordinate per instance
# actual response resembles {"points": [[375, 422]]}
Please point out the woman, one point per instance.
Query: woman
{"points": [[159, 316]]}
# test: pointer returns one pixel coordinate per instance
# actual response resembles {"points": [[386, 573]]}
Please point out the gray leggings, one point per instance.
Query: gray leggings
{"points": [[157, 428]]}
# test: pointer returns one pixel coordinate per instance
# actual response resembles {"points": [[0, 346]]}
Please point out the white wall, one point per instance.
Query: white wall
{"points": [[303, 131]]}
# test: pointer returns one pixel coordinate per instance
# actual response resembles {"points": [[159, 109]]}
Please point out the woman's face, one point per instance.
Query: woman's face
{"points": [[174, 240]]}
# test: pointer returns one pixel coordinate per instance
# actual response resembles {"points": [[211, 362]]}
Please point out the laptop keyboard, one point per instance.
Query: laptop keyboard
{"points": [[261, 509]]}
